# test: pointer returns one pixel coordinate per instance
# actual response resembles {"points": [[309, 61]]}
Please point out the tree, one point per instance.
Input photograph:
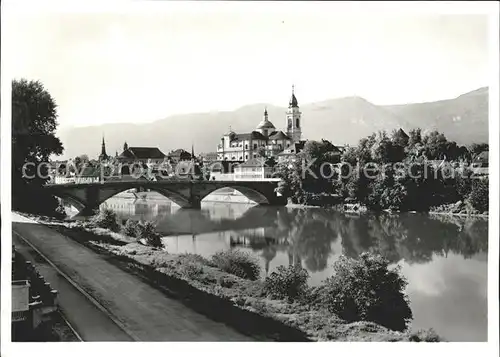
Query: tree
{"points": [[84, 158], [479, 194], [291, 185], [415, 137], [367, 289], [435, 145], [399, 138], [350, 156], [476, 149], [261, 152], [364, 148], [34, 121], [382, 149]]}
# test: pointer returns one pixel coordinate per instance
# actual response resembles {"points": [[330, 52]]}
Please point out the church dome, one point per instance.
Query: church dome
{"points": [[265, 124]]}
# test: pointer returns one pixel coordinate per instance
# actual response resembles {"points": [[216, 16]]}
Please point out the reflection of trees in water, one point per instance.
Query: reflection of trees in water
{"points": [[308, 235], [305, 234], [415, 238]]}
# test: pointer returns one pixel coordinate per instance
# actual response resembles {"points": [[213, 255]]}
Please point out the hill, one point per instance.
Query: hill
{"points": [[463, 119], [342, 120]]}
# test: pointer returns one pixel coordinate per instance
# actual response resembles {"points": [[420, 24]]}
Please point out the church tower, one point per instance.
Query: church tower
{"points": [[103, 155], [293, 119]]}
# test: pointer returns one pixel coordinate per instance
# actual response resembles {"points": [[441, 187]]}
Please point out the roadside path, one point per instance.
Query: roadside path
{"points": [[133, 310]]}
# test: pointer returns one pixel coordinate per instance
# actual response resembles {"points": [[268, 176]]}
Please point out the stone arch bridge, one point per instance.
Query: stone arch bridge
{"points": [[87, 197]]}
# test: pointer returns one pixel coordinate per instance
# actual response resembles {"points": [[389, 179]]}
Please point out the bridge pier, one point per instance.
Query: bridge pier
{"points": [[195, 204], [88, 211], [277, 201]]}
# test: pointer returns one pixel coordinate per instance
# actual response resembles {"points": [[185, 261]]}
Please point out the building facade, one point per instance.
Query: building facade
{"points": [[253, 170], [141, 155], [179, 155], [265, 140]]}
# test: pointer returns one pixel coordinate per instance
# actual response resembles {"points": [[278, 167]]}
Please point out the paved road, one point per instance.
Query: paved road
{"points": [[131, 308]]}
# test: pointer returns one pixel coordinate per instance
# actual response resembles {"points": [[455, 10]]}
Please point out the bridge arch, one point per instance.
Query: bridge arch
{"points": [[87, 198], [173, 196], [250, 193]]}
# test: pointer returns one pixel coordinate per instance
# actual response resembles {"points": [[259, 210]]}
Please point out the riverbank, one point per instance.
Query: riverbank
{"points": [[445, 210], [459, 209], [219, 295]]}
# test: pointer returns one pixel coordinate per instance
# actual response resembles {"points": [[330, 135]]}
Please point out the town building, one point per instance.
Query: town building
{"points": [[208, 157], [140, 154], [139, 159], [265, 140], [179, 155], [222, 170], [256, 169], [290, 152], [480, 164]]}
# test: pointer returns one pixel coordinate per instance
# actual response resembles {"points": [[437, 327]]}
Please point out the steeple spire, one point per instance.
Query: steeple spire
{"points": [[265, 114], [293, 100], [103, 147], [192, 151], [103, 155]]}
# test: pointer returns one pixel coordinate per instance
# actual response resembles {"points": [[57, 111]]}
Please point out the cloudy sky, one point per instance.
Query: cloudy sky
{"points": [[104, 67]]}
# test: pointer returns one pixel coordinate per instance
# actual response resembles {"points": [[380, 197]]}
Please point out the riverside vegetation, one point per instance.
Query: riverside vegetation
{"points": [[363, 301], [396, 172]]}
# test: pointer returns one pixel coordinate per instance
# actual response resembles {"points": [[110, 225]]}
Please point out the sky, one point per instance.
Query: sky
{"points": [[109, 67]]}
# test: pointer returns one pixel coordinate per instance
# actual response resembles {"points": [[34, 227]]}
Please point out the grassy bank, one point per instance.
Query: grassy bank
{"points": [[242, 303]]}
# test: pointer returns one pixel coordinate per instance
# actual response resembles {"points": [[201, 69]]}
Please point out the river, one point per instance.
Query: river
{"points": [[443, 258]]}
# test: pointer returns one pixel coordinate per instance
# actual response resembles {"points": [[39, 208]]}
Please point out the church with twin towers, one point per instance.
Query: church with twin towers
{"points": [[265, 140]]}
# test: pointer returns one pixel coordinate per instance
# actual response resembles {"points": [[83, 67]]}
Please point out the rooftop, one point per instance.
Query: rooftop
{"points": [[142, 153], [279, 135], [254, 135]]}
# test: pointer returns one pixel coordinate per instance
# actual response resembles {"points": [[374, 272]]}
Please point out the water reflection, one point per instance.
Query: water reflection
{"points": [[444, 259]]}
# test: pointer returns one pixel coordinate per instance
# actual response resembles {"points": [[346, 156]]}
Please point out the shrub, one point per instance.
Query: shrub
{"points": [[106, 219], [225, 282], [194, 258], [366, 289], [425, 336], [237, 263], [131, 228], [479, 194], [147, 231], [191, 271], [287, 283]]}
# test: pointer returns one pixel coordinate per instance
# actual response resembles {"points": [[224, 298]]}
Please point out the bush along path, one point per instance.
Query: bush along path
{"points": [[363, 301]]}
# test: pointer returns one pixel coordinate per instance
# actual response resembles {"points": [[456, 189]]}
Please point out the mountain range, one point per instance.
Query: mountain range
{"points": [[342, 121]]}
